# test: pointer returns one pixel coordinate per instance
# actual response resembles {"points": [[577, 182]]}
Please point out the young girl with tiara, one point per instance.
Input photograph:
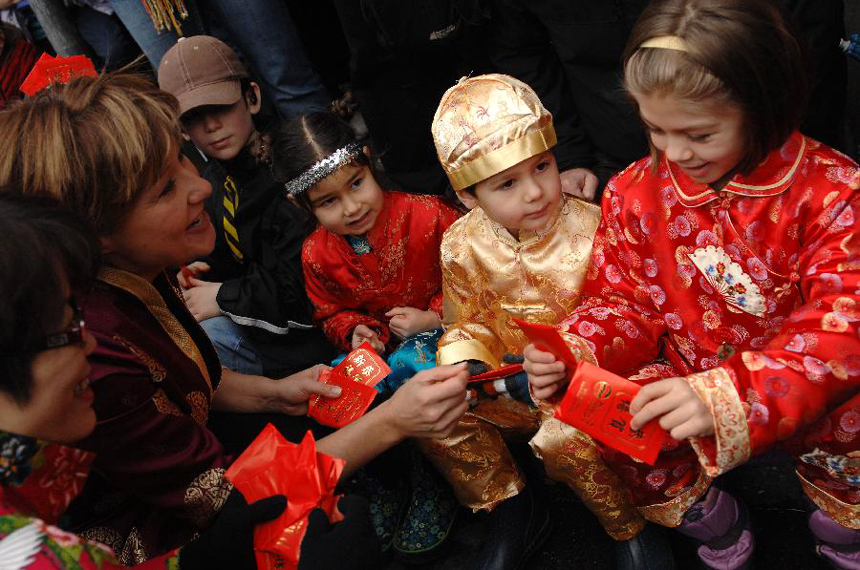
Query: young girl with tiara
{"points": [[372, 273], [726, 280]]}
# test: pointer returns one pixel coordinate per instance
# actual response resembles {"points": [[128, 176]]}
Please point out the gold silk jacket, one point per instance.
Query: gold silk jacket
{"points": [[488, 277]]}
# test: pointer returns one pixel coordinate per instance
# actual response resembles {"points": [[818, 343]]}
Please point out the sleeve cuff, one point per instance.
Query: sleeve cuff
{"points": [[730, 444], [461, 350], [579, 348]]}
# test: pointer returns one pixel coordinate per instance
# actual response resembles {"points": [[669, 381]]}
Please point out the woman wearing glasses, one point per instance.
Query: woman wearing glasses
{"points": [[46, 401], [108, 148]]}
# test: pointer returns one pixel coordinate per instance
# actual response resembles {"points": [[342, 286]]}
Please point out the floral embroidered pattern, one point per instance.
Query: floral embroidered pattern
{"points": [[840, 467], [729, 279], [731, 433], [16, 452]]}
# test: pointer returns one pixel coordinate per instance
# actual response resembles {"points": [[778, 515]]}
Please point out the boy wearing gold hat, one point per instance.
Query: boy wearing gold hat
{"points": [[523, 251]]}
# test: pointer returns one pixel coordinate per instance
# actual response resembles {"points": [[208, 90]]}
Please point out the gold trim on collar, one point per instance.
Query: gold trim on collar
{"points": [[729, 187], [494, 162], [784, 179], [154, 302]]}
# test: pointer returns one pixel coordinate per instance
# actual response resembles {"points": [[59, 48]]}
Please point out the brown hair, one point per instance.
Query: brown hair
{"points": [[43, 244], [738, 51], [95, 144]]}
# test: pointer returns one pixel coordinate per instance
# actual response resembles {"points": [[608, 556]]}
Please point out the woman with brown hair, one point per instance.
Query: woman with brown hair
{"points": [[108, 148]]}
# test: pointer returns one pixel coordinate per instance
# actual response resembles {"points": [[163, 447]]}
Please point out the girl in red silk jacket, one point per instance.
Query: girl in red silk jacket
{"points": [[725, 276], [372, 273], [372, 265]]}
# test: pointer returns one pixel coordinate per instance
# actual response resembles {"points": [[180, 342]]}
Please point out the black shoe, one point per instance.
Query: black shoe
{"points": [[518, 526], [648, 550]]}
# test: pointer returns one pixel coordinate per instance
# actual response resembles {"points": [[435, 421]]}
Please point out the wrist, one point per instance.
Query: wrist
{"points": [[386, 415]]}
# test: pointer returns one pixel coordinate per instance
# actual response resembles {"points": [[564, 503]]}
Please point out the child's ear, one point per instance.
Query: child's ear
{"points": [[366, 150], [253, 98], [467, 198]]}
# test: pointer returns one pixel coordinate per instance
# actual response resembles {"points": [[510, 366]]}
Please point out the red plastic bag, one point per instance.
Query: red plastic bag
{"points": [[271, 465]]}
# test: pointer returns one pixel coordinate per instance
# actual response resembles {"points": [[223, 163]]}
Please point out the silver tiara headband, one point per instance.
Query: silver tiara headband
{"points": [[332, 163]]}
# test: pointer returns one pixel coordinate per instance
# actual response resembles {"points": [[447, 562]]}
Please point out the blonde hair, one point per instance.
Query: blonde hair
{"points": [[734, 51], [95, 144]]}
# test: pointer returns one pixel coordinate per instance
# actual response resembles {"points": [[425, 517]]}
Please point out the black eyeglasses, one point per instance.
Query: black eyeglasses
{"points": [[74, 334]]}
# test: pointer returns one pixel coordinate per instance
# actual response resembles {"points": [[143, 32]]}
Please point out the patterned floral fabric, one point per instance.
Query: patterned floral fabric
{"points": [[158, 474], [752, 293], [38, 480], [400, 270]]}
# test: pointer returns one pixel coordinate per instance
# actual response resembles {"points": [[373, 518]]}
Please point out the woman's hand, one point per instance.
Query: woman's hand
{"points": [[682, 413], [291, 394], [431, 403], [407, 321], [196, 269], [201, 298], [546, 374], [362, 334]]}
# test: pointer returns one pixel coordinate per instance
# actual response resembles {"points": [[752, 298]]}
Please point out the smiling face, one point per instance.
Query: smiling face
{"points": [[222, 131], [704, 139], [60, 404], [526, 196], [348, 201], [166, 226]]}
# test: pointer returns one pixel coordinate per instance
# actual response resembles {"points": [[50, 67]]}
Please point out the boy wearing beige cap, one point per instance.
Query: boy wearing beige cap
{"points": [[521, 252], [249, 293]]}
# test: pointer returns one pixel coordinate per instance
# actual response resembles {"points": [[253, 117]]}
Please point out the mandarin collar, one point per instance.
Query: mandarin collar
{"points": [[773, 176]]}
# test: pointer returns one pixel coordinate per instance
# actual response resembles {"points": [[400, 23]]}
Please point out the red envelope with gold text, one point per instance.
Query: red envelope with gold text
{"points": [[548, 339], [597, 402], [356, 375], [271, 465]]}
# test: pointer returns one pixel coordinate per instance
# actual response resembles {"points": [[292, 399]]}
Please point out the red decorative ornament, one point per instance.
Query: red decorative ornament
{"points": [[51, 70]]}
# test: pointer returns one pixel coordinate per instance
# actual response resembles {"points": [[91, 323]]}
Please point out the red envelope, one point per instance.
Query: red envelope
{"points": [[548, 339], [356, 375], [50, 70], [497, 374], [597, 402], [272, 465], [353, 401], [364, 365]]}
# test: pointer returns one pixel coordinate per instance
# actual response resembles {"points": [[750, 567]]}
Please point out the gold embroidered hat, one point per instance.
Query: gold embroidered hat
{"points": [[486, 124]]}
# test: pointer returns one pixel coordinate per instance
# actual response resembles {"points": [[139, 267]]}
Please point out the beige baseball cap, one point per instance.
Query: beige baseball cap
{"points": [[201, 70]]}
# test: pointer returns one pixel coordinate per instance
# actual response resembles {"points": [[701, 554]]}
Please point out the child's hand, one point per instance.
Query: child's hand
{"points": [[407, 321], [579, 182], [682, 413], [200, 297], [362, 334], [546, 374], [195, 269]]}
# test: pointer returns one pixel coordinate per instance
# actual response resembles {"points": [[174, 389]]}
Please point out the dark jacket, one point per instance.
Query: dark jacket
{"points": [[265, 292]]}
